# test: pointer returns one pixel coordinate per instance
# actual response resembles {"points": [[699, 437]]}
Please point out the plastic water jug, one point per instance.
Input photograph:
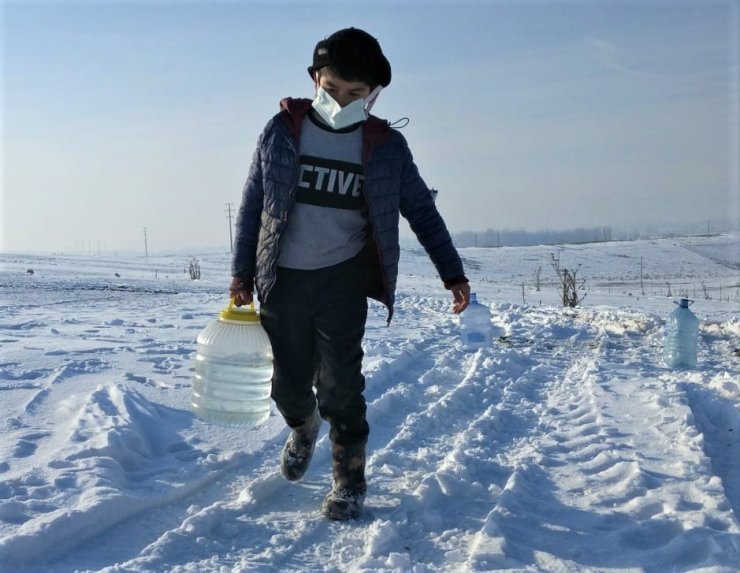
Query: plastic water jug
{"points": [[233, 370], [681, 334], [475, 325]]}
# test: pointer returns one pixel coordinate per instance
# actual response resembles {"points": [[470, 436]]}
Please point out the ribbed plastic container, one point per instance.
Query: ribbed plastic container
{"points": [[475, 325], [681, 337], [233, 370]]}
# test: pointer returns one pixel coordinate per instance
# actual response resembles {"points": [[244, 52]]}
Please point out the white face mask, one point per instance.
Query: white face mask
{"points": [[337, 116]]}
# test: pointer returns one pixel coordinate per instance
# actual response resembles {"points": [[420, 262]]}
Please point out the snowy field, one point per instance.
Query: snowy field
{"points": [[567, 446]]}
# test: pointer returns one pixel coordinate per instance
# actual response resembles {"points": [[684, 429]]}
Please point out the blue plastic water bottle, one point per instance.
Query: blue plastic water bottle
{"points": [[475, 325], [681, 334]]}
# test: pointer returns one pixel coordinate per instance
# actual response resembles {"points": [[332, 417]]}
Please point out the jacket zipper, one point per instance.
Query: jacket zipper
{"points": [[381, 260]]}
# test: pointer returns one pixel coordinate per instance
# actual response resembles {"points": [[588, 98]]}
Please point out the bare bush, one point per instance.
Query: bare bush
{"points": [[706, 290], [569, 286], [194, 268], [538, 278]]}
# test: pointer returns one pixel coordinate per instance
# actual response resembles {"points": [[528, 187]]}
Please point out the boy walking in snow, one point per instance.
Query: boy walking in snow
{"points": [[316, 234]]}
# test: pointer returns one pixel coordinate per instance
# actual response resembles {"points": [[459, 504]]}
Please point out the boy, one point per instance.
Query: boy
{"points": [[316, 233]]}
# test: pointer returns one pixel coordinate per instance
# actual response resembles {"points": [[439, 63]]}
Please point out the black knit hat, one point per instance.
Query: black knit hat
{"points": [[355, 55]]}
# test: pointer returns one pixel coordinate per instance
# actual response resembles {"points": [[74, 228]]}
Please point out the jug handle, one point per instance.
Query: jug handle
{"points": [[232, 300]]}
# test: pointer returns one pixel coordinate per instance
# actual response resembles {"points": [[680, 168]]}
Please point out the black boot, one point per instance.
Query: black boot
{"points": [[348, 494], [298, 449]]}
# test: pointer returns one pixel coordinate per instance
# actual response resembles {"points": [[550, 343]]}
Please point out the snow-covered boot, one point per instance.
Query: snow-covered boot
{"points": [[346, 498], [298, 449]]}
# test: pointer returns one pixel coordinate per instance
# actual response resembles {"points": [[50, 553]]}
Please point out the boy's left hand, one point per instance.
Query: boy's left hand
{"points": [[461, 295]]}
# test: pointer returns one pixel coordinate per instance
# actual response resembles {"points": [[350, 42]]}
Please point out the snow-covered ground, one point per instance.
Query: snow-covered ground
{"points": [[566, 446]]}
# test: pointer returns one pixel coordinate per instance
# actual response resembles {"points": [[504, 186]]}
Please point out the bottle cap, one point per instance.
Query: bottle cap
{"points": [[239, 314]]}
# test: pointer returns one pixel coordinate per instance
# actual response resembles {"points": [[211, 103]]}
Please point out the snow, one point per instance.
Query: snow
{"points": [[566, 446]]}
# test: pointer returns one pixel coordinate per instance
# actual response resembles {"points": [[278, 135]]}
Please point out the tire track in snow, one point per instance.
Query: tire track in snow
{"points": [[601, 493], [713, 396], [489, 411], [427, 405], [396, 392], [528, 502], [719, 422]]}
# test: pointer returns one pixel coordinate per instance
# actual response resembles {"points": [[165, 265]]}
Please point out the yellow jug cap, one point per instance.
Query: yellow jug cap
{"points": [[239, 314]]}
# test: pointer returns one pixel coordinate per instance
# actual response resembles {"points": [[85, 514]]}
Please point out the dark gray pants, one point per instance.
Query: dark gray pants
{"points": [[315, 321]]}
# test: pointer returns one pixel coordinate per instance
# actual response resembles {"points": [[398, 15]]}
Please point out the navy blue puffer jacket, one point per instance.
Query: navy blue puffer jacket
{"points": [[392, 186]]}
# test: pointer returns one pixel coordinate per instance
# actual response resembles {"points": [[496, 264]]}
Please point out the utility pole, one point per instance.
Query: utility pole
{"points": [[231, 235], [146, 246]]}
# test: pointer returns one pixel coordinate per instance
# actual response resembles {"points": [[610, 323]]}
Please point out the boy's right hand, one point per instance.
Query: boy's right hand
{"points": [[241, 291]]}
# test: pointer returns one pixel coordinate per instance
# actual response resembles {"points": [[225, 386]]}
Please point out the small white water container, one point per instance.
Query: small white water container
{"points": [[475, 325]]}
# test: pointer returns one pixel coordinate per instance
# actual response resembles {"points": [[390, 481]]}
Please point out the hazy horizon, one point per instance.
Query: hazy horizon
{"points": [[124, 116], [462, 239]]}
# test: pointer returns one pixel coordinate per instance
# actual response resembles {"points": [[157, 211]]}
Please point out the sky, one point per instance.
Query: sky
{"points": [[131, 125]]}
